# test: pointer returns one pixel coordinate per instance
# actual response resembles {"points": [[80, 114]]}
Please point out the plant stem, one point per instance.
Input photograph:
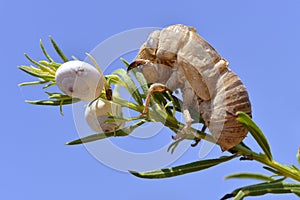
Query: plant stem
{"points": [[159, 115], [262, 158]]}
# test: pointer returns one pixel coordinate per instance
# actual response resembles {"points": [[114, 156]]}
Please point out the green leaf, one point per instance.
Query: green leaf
{"points": [[45, 52], [49, 85], [240, 195], [42, 67], [143, 83], [296, 192], [174, 144], [174, 104], [295, 168], [139, 76], [99, 136], [53, 65], [58, 50], [272, 170], [182, 169], [130, 86], [37, 73], [32, 83], [57, 95], [250, 176], [255, 131], [157, 97], [114, 79], [125, 62], [262, 189], [51, 102]]}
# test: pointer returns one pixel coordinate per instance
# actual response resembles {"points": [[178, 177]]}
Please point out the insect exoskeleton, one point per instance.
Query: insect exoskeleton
{"points": [[79, 79], [97, 116], [182, 59]]}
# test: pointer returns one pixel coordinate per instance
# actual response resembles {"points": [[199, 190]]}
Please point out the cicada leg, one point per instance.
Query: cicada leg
{"points": [[196, 139], [189, 102], [188, 123], [156, 87]]}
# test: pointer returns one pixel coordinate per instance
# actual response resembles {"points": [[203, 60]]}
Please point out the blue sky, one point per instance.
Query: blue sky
{"points": [[260, 39]]}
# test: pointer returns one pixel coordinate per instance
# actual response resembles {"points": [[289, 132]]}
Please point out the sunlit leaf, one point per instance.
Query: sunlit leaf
{"points": [[296, 168], [174, 144], [296, 192], [42, 67], [272, 170], [49, 85], [114, 79], [32, 83], [262, 189], [125, 62], [58, 50], [158, 97], [143, 83], [130, 86], [51, 102], [182, 169], [52, 65], [37, 73], [45, 52], [255, 131], [99, 136], [245, 175]]}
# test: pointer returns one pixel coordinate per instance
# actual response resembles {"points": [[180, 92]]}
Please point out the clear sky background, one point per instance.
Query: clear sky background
{"points": [[260, 39]]}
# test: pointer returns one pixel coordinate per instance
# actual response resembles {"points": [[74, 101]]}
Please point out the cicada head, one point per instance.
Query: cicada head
{"points": [[149, 48]]}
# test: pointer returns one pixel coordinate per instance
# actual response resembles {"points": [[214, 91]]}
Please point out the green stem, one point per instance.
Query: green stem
{"points": [[262, 158], [160, 115]]}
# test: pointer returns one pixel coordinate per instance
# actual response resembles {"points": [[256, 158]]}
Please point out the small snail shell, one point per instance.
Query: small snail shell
{"points": [[79, 79], [97, 113]]}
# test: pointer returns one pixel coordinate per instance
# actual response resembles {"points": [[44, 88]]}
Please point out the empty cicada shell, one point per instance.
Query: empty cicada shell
{"points": [[176, 57]]}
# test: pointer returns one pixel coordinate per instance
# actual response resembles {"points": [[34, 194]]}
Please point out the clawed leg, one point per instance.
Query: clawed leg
{"points": [[196, 139], [172, 84], [188, 96], [248, 157], [188, 123], [156, 87]]}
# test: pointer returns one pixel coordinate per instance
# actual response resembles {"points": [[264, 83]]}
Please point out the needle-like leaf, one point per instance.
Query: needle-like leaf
{"points": [[37, 73], [99, 136], [51, 102], [125, 62], [32, 83], [45, 52], [182, 169], [255, 131], [263, 188], [246, 175], [272, 170], [42, 67], [58, 50], [130, 86]]}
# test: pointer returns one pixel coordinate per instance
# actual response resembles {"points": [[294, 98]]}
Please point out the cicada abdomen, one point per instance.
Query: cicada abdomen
{"points": [[230, 96]]}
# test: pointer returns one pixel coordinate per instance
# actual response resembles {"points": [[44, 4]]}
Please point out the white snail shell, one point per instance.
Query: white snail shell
{"points": [[79, 80], [98, 112]]}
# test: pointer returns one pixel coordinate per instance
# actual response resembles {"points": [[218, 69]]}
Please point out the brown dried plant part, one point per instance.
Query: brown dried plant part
{"points": [[176, 57]]}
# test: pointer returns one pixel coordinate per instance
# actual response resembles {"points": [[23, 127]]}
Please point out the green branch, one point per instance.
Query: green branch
{"points": [[163, 109]]}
